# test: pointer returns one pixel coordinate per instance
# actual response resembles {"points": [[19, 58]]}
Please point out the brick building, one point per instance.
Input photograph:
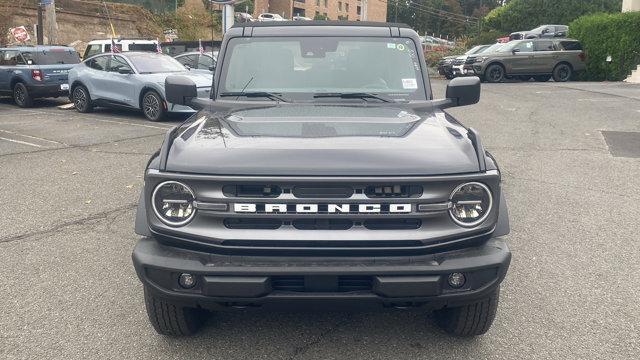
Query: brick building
{"points": [[353, 10]]}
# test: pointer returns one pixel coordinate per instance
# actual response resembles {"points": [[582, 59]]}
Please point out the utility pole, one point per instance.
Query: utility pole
{"points": [[52, 24], [396, 12], [40, 33]]}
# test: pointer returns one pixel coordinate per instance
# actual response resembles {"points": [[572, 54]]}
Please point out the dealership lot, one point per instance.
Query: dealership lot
{"points": [[570, 159]]}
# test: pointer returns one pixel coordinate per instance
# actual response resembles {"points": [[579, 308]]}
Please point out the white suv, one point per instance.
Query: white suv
{"points": [[95, 47]]}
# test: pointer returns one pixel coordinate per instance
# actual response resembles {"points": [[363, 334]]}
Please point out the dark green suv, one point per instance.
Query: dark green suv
{"points": [[541, 59]]}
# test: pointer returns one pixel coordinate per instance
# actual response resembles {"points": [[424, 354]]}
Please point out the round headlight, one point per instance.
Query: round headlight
{"points": [[173, 203], [470, 204]]}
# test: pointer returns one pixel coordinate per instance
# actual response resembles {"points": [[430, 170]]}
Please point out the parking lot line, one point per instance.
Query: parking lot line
{"points": [[20, 142], [130, 123], [33, 137]]}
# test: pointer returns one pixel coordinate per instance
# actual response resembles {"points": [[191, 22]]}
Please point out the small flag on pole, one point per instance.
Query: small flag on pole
{"points": [[114, 47], [158, 48], [200, 48]]}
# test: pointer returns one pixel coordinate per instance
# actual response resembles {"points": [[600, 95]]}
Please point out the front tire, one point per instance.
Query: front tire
{"points": [[469, 320], [153, 106], [171, 319], [494, 73], [82, 99], [562, 73], [21, 96]]}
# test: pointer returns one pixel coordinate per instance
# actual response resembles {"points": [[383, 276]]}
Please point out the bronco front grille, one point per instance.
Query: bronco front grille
{"points": [[321, 283]]}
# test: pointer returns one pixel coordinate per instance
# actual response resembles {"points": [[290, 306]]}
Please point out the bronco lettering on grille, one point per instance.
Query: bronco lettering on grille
{"points": [[322, 208]]}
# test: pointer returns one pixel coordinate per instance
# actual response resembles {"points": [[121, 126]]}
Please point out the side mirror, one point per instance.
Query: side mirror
{"points": [[124, 71], [180, 90], [464, 91]]}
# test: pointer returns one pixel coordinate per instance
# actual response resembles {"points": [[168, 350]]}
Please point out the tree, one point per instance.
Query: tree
{"points": [[519, 15]]}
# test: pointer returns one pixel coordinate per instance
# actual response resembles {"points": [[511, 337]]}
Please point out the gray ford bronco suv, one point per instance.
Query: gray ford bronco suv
{"points": [[321, 169]]}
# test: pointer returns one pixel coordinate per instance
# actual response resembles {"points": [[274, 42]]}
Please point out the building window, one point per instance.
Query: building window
{"points": [[317, 13], [346, 6], [325, 16], [317, 3], [339, 5], [358, 10], [325, 4]]}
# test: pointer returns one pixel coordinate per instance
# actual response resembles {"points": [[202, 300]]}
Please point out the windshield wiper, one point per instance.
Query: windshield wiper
{"points": [[355, 95], [250, 94]]}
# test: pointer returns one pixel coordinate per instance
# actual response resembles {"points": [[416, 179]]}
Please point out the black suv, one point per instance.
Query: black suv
{"points": [[322, 169]]}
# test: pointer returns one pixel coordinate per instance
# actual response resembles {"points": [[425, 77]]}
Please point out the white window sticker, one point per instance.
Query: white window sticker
{"points": [[391, 46], [409, 83]]}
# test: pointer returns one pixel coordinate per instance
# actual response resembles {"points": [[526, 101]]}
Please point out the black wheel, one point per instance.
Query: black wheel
{"points": [[171, 319], [562, 73], [469, 320], [21, 95], [82, 99], [494, 73], [524, 78], [542, 78], [153, 106]]}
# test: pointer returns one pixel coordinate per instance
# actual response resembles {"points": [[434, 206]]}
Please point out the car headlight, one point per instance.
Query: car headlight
{"points": [[470, 204], [173, 203], [481, 59]]}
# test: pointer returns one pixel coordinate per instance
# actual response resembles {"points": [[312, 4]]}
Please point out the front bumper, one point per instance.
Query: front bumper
{"points": [[224, 280], [47, 90]]}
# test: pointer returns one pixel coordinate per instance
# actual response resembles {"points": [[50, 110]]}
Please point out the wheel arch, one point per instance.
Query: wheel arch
{"points": [[74, 85], [145, 89], [495, 62], [16, 79], [560, 63]]}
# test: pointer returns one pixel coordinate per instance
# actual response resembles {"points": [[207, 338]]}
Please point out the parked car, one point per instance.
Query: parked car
{"points": [[301, 18], [132, 80], [244, 17], [544, 31], [95, 47], [174, 48], [270, 17], [471, 59], [450, 66], [30, 72], [197, 61], [541, 59], [317, 175]]}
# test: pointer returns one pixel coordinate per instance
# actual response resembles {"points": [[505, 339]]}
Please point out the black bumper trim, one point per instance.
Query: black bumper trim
{"points": [[245, 280]]}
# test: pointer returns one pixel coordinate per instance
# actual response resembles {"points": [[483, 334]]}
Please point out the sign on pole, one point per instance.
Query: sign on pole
{"points": [[20, 34]]}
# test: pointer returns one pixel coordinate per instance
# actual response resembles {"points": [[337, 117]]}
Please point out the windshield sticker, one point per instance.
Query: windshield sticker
{"points": [[400, 47], [409, 84], [391, 46]]}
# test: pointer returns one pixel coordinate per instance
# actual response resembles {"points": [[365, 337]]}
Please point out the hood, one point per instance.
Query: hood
{"points": [[201, 79], [318, 140]]}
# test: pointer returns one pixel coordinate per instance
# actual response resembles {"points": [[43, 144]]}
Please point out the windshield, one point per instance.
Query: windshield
{"points": [[493, 48], [151, 63], [51, 57], [476, 49], [301, 67]]}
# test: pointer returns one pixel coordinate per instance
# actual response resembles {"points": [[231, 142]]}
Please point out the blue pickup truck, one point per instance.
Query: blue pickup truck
{"points": [[30, 72]]}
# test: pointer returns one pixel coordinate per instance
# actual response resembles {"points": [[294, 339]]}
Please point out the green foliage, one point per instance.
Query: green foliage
{"points": [[485, 37], [601, 35], [245, 6], [320, 17], [521, 15], [191, 24]]}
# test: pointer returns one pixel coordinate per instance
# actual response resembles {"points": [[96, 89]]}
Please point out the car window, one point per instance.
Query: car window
{"points": [[117, 63], [569, 45], [51, 56], [10, 58], [303, 67], [544, 46], [107, 47], [91, 50], [142, 47], [188, 60], [204, 62], [98, 63], [525, 46]]}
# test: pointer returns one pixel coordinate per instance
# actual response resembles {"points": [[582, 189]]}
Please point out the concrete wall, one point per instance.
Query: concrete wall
{"points": [[631, 5]]}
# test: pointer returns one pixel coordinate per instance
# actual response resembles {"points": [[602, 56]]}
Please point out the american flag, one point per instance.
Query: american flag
{"points": [[158, 48], [114, 47], [200, 48]]}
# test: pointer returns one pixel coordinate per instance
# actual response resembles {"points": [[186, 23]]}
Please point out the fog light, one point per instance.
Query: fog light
{"points": [[187, 281], [456, 280]]}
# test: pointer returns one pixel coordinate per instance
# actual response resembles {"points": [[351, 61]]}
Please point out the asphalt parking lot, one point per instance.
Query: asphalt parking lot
{"points": [[69, 184]]}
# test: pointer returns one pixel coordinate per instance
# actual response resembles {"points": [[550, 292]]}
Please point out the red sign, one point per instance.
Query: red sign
{"points": [[20, 34]]}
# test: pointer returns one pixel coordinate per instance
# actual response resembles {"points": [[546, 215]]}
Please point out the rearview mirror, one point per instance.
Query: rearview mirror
{"points": [[464, 91], [180, 90]]}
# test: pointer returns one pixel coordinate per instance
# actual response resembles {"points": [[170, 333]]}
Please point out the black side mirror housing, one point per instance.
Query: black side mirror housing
{"points": [[464, 91], [180, 90]]}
